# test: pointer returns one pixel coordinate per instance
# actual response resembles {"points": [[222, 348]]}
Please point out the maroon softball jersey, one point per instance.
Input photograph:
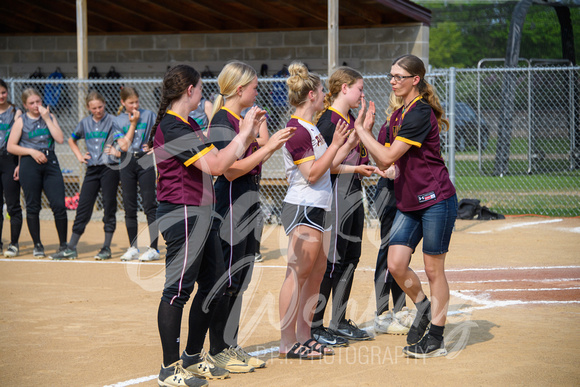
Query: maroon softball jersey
{"points": [[423, 179], [179, 143]]}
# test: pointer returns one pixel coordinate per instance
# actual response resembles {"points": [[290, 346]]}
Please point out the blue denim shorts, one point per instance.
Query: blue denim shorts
{"points": [[433, 224]]}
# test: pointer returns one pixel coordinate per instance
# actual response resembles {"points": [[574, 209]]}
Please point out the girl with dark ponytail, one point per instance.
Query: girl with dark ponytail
{"points": [[426, 200], [186, 162]]}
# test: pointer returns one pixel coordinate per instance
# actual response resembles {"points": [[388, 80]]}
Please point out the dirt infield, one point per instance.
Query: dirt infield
{"points": [[513, 320]]}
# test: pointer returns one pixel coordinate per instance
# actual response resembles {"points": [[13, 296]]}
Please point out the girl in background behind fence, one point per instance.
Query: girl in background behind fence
{"points": [[32, 137]]}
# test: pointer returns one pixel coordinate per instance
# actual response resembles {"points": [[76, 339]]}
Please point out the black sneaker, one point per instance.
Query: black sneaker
{"points": [[429, 346], [105, 253], [324, 336], [65, 254], [38, 251], [349, 330], [419, 326]]}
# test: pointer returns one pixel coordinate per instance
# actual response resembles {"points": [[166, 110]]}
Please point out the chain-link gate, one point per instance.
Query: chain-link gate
{"points": [[541, 172]]}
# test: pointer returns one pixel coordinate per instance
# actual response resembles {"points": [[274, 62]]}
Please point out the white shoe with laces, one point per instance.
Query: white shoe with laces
{"points": [[388, 324], [131, 254], [406, 316], [150, 255]]}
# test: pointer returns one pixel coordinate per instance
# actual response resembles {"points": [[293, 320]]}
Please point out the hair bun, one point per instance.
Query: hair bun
{"points": [[298, 74]]}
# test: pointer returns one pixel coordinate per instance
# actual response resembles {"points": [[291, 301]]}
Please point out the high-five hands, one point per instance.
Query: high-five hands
{"points": [[341, 133], [278, 139], [251, 123]]}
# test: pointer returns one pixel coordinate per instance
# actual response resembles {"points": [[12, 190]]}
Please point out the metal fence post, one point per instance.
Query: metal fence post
{"points": [[452, 124]]}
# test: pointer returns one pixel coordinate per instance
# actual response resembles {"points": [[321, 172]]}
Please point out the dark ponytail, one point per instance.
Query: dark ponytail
{"points": [[175, 83]]}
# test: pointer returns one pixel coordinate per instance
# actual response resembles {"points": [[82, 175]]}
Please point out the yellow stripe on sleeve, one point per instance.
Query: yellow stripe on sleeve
{"points": [[410, 142], [298, 162], [198, 156], [387, 145]]}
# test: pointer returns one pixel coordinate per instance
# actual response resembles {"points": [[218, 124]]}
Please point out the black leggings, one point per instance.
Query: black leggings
{"points": [[239, 210], [10, 189], [35, 178], [98, 177], [132, 174], [193, 255], [385, 205]]}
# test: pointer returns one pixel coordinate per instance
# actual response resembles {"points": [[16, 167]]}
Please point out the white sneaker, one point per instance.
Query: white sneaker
{"points": [[406, 316], [131, 254], [150, 255], [386, 323]]}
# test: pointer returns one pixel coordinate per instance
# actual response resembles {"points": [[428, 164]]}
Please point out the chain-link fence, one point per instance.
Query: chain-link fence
{"points": [[516, 132]]}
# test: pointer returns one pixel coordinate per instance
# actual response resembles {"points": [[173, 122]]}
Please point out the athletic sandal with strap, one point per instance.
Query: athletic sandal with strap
{"points": [[319, 347], [298, 351]]}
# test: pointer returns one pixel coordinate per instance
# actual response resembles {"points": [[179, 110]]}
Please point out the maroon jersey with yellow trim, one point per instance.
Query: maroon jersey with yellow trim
{"points": [[327, 124], [224, 126], [177, 145], [423, 179]]}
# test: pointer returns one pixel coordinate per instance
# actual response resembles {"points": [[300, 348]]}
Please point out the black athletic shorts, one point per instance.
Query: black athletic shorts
{"points": [[294, 215]]}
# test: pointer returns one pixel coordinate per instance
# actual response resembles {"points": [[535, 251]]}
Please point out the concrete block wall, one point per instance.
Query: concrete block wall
{"points": [[368, 50]]}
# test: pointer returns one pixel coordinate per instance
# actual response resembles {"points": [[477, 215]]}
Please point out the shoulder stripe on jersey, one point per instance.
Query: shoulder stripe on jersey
{"points": [[340, 114], [298, 162], [301, 119], [231, 112], [178, 116], [198, 156], [410, 142], [74, 136]]}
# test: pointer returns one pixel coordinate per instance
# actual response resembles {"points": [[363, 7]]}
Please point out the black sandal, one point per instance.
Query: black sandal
{"points": [[299, 351], [319, 347]]}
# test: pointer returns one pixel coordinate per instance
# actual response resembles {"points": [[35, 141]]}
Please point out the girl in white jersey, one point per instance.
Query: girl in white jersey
{"points": [[308, 160]]}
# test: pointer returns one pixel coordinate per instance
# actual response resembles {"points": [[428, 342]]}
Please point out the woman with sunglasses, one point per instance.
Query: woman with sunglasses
{"points": [[426, 200]]}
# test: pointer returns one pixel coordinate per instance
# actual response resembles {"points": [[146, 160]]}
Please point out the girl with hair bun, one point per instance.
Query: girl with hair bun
{"points": [[186, 162], [308, 160], [137, 170], [426, 200], [238, 206], [346, 216], [32, 137], [9, 185]]}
